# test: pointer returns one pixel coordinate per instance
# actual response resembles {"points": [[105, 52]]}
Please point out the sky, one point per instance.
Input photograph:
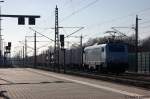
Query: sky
{"points": [[96, 16]]}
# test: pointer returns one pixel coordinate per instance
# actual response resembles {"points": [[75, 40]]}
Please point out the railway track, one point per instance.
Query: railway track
{"points": [[126, 78], [121, 79]]}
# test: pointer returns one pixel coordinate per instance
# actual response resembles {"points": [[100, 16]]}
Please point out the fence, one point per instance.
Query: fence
{"points": [[143, 62]]}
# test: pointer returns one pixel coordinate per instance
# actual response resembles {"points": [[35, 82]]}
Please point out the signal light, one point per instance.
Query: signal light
{"points": [[62, 40], [9, 44], [21, 20], [7, 48], [31, 21]]}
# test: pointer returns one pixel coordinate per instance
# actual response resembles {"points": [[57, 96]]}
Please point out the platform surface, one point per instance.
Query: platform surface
{"points": [[27, 83]]}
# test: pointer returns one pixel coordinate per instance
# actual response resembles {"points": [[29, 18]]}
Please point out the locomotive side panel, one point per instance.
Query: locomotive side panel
{"points": [[109, 57], [95, 56]]}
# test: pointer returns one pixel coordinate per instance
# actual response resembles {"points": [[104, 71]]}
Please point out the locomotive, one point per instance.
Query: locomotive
{"points": [[112, 57]]}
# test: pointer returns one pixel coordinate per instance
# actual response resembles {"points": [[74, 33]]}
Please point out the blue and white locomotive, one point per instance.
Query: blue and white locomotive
{"points": [[110, 57]]}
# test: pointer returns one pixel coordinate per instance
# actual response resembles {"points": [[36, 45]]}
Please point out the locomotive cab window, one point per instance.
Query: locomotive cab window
{"points": [[102, 49]]}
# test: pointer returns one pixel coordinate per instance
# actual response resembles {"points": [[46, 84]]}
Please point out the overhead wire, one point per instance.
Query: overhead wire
{"points": [[117, 19], [64, 31], [79, 10], [53, 12], [121, 17], [112, 20], [145, 22]]}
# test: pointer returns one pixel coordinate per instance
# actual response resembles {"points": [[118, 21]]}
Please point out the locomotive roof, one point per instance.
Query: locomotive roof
{"points": [[101, 45], [95, 46]]}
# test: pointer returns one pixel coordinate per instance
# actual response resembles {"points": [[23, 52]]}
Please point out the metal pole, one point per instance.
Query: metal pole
{"points": [[25, 51], [64, 60], [71, 59], [23, 56], [20, 57], [56, 46], [81, 51], [35, 58], [136, 43]]}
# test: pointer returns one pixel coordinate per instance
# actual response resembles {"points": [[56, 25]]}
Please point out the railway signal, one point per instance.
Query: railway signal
{"points": [[31, 21], [8, 47], [63, 49], [62, 40], [9, 44], [21, 20]]}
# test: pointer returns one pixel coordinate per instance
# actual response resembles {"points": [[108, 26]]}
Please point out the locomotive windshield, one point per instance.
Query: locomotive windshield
{"points": [[116, 48]]}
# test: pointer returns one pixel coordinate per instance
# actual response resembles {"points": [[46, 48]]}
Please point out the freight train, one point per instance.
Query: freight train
{"points": [[108, 57]]}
